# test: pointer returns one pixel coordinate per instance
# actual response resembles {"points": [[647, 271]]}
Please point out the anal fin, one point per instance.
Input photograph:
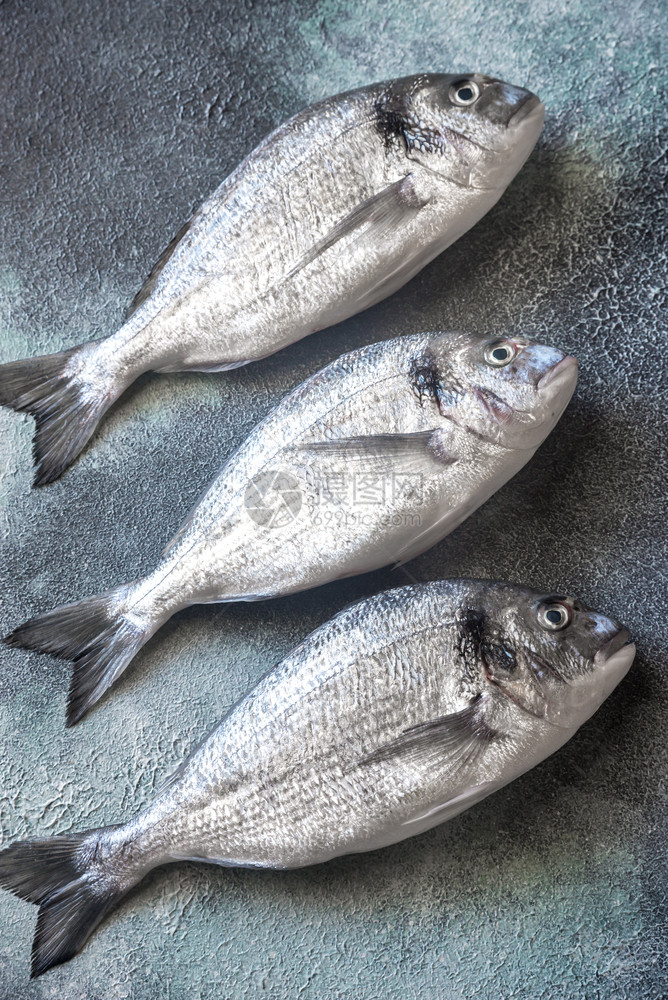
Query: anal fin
{"points": [[450, 807]]}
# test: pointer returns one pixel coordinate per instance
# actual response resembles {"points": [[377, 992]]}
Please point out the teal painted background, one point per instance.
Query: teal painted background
{"points": [[115, 120]]}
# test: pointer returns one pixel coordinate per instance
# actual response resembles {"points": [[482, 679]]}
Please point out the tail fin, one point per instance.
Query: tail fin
{"points": [[64, 877], [99, 636], [65, 406]]}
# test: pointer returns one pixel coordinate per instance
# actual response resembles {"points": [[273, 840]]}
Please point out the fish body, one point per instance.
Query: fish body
{"points": [[332, 212], [396, 715], [369, 462]]}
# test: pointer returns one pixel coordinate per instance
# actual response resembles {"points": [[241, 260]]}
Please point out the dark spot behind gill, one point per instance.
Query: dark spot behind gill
{"points": [[391, 111], [481, 643], [427, 383], [390, 124], [425, 379], [396, 122], [471, 625]]}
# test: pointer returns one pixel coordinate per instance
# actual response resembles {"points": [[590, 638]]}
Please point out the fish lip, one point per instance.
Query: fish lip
{"points": [[555, 371], [531, 105], [613, 645]]}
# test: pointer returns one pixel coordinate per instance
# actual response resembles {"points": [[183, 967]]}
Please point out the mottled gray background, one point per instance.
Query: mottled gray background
{"points": [[115, 120]]}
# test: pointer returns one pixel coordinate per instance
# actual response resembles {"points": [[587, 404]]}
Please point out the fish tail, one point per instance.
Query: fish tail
{"points": [[75, 880], [64, 400], [100, 635]]}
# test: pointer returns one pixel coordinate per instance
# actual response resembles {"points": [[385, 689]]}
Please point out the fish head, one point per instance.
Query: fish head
{"points": [[509, 391], [473, 130], [551, 655]]}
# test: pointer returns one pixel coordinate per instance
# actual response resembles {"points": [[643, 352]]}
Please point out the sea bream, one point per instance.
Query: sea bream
{"points": [[368, 462], [333, 211], [396, 715]]}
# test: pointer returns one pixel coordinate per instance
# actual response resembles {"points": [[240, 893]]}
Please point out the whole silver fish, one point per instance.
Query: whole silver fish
{"points": [[394, 716], [370, 461], [332, 212]]}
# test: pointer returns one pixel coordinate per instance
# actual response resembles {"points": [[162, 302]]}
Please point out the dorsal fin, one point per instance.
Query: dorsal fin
{"points": [[147, 288]]}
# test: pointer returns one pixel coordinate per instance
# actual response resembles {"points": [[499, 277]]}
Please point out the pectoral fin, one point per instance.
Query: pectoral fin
{"points": [[450, 742], [422, 451], [371, 220]]}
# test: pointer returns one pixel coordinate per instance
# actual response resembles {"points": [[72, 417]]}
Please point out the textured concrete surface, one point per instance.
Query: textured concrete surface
{"points": [[115, 120]]}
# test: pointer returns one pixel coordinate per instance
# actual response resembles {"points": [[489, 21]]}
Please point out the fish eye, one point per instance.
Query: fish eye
{"points": [[464, 92], [553, 617], [500, 353]]}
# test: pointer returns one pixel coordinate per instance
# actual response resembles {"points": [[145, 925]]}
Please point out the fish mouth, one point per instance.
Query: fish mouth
{"points": [[564, 371], [614, 659], [580, 699], [531, 106], [612, 646]]}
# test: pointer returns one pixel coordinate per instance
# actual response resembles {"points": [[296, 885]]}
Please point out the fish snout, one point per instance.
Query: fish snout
{"points": [[529, 108], [619, 641], [564, 372], [506, 105], [613, 661], [576, 701]]}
